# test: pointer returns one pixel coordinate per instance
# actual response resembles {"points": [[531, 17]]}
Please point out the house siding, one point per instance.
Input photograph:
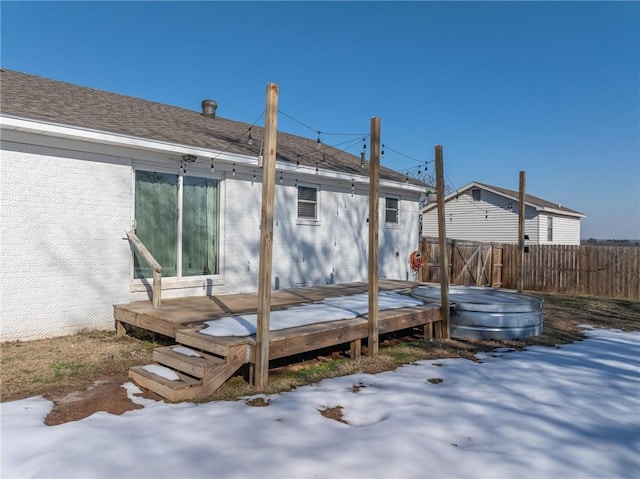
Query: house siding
{"points": [[492, 219], [65, 260], [565, 230]]}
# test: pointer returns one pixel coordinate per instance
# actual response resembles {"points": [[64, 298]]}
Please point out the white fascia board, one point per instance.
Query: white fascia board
{"points": [[561, 212], [96, 136]]}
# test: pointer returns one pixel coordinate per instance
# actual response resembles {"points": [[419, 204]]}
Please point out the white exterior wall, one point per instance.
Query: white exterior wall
{"points": [[566, 230], [492, 219], [334, 250], [65, 261]]}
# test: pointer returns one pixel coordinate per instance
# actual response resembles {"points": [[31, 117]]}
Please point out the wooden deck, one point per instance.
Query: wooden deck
{"points": [[220, 357]]}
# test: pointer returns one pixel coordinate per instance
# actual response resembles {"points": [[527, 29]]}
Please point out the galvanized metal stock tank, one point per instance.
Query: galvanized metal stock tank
{"points": [[488, 313]]}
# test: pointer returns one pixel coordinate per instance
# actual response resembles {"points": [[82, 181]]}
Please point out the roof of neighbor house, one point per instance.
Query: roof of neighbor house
{"points": [[40, 99], [533, 201]]}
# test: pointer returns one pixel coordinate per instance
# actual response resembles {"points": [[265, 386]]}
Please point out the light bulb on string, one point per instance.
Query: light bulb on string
{"points": [[382, 152], [233, 172], [298, 162], [212, 166], [317, 168], [318, 143], [281, 179], [254, 177], [250, 138]]}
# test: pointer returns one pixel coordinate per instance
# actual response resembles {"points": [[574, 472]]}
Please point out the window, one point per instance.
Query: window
{"points": [[391, 210], [476, 194], [307, 202], [550, 228], [183, 236]]}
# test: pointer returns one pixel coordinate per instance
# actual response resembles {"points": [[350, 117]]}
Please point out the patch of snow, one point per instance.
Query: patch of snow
{"points": [[186, 351], [567, 412], [162, 371], [133, 393], [330, 309]]}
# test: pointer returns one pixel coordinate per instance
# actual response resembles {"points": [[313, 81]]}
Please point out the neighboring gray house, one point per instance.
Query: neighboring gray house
{"points": [[80, 166], [481, 212]]}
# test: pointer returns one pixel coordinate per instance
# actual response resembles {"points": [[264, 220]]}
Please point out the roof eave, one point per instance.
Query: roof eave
{"points": [[14, 123]]}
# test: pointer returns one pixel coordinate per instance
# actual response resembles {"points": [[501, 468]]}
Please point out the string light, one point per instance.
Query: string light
{"points": [[316, 167], [353, 188], [233, 172], [250, 139], [382, 152], [281, 177], [254, 177], [212, 167], [298, 162], [363, 153], [296, 183], [318, 143]]}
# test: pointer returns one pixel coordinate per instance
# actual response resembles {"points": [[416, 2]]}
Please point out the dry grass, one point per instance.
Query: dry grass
{"points": [[39, 367], [74, 362]]}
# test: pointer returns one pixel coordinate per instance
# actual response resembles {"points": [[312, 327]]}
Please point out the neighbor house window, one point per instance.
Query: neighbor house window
{"points": [[307, 202], [550, 228], [476, 194], [391, 210], [178, 220]]}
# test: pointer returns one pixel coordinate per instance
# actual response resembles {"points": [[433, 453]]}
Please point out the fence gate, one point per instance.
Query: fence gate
{"points": [[470, 263]]}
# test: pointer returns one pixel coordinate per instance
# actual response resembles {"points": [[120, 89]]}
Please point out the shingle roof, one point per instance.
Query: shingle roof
{"points": [[35, 98], [532, 200]]}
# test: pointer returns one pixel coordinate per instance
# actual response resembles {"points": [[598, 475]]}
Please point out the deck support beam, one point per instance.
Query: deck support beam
{"points": [[374, 208], [444, 257], [261, 377]]}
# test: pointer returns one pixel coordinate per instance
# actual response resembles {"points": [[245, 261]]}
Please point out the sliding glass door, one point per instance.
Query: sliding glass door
{"points": [[177, 219]]}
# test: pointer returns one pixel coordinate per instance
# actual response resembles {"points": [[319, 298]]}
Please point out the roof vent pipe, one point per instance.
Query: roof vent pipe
{"points": [[209, 108]]}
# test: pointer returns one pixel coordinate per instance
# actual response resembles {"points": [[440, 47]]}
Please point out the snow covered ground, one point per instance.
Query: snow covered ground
{"points": [[569, 412]]}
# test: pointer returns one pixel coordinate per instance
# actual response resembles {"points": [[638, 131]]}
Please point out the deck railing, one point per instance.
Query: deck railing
{"points": [[156, 295]]}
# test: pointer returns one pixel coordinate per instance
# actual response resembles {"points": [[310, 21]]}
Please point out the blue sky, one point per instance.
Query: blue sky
{"points": [[550, 88]]}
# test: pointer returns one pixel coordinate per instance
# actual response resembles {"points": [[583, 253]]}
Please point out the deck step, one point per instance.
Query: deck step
{"points": [[185, 388], [196, 366], [220, 346]]}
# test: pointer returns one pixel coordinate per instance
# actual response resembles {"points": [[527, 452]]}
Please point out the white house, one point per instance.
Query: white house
{"points": [[80, 167], [481, 212]]}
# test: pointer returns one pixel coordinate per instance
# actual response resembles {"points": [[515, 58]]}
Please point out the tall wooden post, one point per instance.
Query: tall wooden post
{"points": [[374, 208], [442, 242], [261, 373], [521, 217]]}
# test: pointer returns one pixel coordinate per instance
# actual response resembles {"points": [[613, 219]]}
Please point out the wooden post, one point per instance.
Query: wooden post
{"points": [[521, 216], [442, 237], [261, 373], [374, 208]]}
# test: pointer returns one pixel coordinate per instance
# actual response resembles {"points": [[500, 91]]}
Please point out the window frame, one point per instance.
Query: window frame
{"points": [[396, 223], [476, 192], [305, 220], [180, 280]]}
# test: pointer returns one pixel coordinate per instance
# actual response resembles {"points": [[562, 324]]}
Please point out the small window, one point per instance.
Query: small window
{"points": [[307, 202], [475, 194], [550, 228], [391, 210]]}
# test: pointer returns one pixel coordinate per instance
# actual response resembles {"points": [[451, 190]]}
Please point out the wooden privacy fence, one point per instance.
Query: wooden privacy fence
{"points": [[607, 271]]}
